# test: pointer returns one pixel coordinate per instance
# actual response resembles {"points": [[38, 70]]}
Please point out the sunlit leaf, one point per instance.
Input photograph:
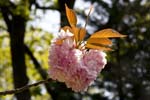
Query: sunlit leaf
{"points": [[81, 34], [99, 40], [71, 16], [75, 32], [98, 47], [102, 41], [107, 33]]}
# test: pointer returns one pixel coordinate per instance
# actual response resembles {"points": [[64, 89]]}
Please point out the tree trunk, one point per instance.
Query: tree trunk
{"points": [[18, 56]]}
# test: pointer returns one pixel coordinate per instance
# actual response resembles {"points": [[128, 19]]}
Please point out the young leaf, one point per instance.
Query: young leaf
{"points": [[75, 31], [102, 41], [71, 16], [107, 33], [79, 33], [98, 47]]}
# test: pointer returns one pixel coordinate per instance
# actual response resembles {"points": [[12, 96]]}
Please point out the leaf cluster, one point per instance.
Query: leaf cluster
{"points": [[98, 40]]}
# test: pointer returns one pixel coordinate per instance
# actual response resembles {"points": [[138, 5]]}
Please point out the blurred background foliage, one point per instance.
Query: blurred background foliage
{"points": [[127, 74]]}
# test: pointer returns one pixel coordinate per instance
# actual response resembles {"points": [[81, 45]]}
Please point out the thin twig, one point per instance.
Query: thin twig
{"points": [[88, 16], [18, 90]]}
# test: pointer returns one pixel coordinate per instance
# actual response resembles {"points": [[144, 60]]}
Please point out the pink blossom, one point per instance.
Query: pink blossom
{"points": [[78, 68], [94, 60]]}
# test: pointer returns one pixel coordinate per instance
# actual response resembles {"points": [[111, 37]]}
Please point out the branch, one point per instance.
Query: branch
{"points": [[6, 10], [5, 14], [18, 90], [41, 71], [45, 8], [36, 63]]}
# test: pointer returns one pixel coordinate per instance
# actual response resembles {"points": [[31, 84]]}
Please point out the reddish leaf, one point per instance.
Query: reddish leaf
{"points": [[75, 31], [98, 47], [71, 16], [107, 33], [81, 34], [102, 41]]}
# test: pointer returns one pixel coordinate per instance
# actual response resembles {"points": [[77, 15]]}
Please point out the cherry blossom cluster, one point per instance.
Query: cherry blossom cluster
{"points": [[77, 67]]}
